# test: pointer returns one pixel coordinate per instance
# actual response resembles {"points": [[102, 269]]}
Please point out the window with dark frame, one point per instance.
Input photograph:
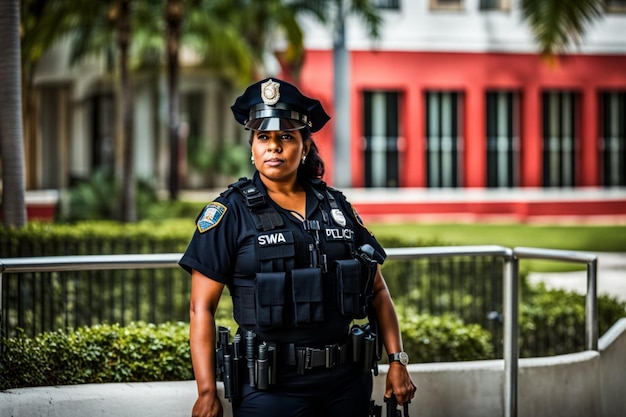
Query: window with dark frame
{"points": [[443, 139], [101, 130], [381, 130], [615, 6], [386, 4], [503, 153], [494, 5], [53, 120], [612, 140], [560, 137]]}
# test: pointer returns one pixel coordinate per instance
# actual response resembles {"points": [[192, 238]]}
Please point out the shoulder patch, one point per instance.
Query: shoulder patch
{"points": [[211, 216], [358, 218]]}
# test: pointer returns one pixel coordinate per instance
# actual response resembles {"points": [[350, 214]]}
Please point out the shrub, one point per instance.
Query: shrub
{"points": [[444, 339], [552, 322], [98, 197], [103, 353], [95, 238], [143, 352]]}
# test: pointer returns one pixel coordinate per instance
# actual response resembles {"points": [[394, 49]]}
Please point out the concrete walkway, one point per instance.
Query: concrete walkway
{"points": [[611, 277]]}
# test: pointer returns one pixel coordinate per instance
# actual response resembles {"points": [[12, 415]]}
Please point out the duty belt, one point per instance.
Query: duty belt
{"points": [[307, 358]]}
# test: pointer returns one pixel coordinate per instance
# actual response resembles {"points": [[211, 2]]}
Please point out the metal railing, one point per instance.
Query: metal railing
{"points": [[511, 292], [511, 301], [591, 298]]}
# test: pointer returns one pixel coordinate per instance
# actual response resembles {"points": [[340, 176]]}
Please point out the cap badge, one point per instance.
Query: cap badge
{"points": [[269, 92]]}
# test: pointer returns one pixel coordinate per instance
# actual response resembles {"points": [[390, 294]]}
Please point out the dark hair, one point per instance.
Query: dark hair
{"points": [[313, 166]]}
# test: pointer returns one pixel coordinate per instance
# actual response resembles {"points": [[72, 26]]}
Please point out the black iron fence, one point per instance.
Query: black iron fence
{"points": [[42, 300], [38, 298], [71, 291], [469, 287]]}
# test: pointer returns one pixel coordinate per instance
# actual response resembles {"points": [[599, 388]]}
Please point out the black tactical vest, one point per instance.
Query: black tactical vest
{"points": [[281, 295]]}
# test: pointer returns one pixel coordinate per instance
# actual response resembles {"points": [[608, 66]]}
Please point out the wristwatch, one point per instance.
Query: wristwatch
{"points": [[401, 357]]}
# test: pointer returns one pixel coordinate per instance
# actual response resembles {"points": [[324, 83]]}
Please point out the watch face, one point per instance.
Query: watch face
{"points": [[401, 357]]}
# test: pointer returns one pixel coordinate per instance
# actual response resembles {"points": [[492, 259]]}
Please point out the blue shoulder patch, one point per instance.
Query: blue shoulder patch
{"points": [[211, 216], [359, 220]]}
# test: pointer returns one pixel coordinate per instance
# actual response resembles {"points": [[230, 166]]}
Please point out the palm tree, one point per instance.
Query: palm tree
{"points": [[94, 28], [231, 37], [257, 22], [11, 140], [200, 25], [173, 21], [40, 29], [129, 186], [196, 23]]}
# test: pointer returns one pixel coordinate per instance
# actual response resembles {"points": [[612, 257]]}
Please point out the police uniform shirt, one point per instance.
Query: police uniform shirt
{"points": [[227, 247]]}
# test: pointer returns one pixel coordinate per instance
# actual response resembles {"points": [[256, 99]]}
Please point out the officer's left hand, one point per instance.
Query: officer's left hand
{"points": [[399, 382]]}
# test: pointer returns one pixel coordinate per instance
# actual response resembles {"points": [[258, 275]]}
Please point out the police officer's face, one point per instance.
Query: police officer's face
{"points": [[277, 154]]}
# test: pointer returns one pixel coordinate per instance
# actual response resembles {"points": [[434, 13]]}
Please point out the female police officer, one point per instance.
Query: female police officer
{"points": [[300, 267]]}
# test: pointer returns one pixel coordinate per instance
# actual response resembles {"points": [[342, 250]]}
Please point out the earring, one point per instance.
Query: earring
{"points": [[303, 159], [252, 159]]}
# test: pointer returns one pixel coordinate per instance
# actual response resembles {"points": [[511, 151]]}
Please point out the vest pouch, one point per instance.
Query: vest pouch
{"points": [[307, 295], [244, 310], [350, 288], [270, 298]]}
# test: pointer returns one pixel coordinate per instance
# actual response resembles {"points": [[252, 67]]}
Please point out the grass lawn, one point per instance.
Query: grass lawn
{"points": [[587, 238]]}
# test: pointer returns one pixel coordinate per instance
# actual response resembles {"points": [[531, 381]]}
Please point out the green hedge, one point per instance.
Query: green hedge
{"points": [[145, 352], [138, 352], [444, 339], [95, 238], [552, 322], [111, 237]]}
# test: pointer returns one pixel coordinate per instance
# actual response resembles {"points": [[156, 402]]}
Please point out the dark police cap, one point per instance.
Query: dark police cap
{"points": [[273, 104]]}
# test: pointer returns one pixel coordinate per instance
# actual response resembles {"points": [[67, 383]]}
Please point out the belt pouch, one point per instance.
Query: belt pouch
{"points": [[270, 298], [349, 287], [307, 295]]}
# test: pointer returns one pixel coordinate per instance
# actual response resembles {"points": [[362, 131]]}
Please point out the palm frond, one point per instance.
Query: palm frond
{"points": [[556, 24], [369, 14]]}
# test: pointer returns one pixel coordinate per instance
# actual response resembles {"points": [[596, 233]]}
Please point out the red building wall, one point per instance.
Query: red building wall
{"points": [[473, 74]]}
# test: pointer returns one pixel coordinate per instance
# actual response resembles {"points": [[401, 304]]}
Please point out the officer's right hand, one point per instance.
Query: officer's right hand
{"points": [[207, 405]]}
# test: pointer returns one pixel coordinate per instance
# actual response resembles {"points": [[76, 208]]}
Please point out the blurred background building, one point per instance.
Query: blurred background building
{"points": [[453, 94]]}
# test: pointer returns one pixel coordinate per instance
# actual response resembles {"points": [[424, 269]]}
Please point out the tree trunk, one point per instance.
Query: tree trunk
{"points": [[173, 18], [341, 90], [128, 203], [11, 134]]}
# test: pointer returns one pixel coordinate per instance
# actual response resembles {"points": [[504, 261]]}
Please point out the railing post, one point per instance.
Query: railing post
{"points": [[511, 332], [591, 306], [1, 315], [591, 298]]}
